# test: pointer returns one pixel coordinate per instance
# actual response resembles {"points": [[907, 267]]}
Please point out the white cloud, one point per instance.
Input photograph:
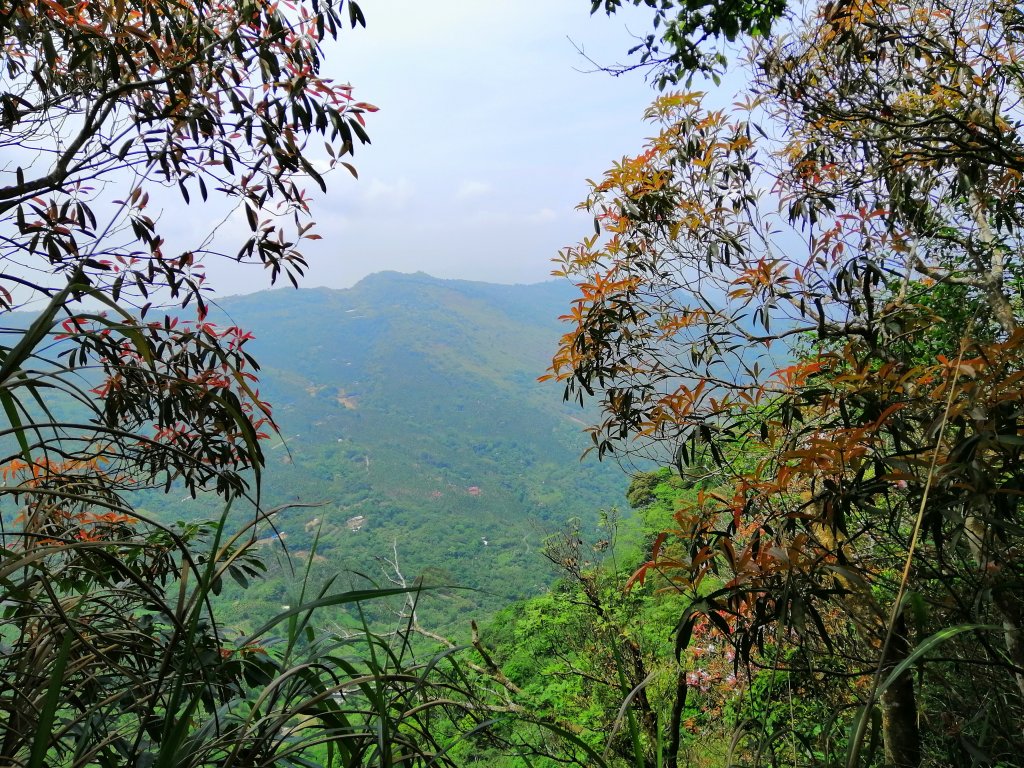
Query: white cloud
{"points": [[470, 189], [394, 195]]}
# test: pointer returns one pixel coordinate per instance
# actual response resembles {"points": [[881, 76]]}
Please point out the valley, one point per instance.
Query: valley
{"points": [[410, 415]]}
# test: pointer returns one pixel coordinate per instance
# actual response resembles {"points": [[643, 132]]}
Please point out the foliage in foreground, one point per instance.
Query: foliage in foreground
{"points": [[112, 656], [110, 653], [818, 293], [600, 659]]}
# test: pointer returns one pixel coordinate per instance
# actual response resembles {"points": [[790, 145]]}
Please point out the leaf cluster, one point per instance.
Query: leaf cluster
{"points": [[676, 49]]}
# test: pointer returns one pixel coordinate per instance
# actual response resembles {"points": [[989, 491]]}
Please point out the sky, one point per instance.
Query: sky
{"points": [[490, 122]]}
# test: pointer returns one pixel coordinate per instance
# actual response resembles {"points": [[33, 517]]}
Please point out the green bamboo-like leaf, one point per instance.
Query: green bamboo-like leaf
{"points": [[928, 644], [342, 598], [875, 733], [11, 409], [172, 739], [18, 355], [47, 714]]}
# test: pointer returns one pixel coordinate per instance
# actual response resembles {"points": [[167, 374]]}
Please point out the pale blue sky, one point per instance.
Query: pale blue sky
{"points": [[487, 130]]}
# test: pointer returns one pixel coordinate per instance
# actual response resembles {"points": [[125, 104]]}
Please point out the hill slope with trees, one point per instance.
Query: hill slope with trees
{"points": [[409, 407]]}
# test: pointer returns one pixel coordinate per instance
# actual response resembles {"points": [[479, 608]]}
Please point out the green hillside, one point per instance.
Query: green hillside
{"points": [[409, 406]]}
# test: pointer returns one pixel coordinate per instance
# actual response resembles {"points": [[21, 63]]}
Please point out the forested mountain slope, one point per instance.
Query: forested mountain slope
{"points": [[410, 407]]}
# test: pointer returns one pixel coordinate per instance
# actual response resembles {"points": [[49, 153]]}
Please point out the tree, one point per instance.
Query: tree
{"points": [[582, 658], [111, 652], [866, 437], [138, 97], [676, 48]]}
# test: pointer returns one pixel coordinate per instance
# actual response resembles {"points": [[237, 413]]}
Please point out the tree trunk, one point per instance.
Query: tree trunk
{"points": [[676, 723], [899, 706]]}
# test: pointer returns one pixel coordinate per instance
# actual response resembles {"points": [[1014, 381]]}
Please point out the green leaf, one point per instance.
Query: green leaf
{"points": [[54, 693], [930, 643], [11, 409], [342, 598]]}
